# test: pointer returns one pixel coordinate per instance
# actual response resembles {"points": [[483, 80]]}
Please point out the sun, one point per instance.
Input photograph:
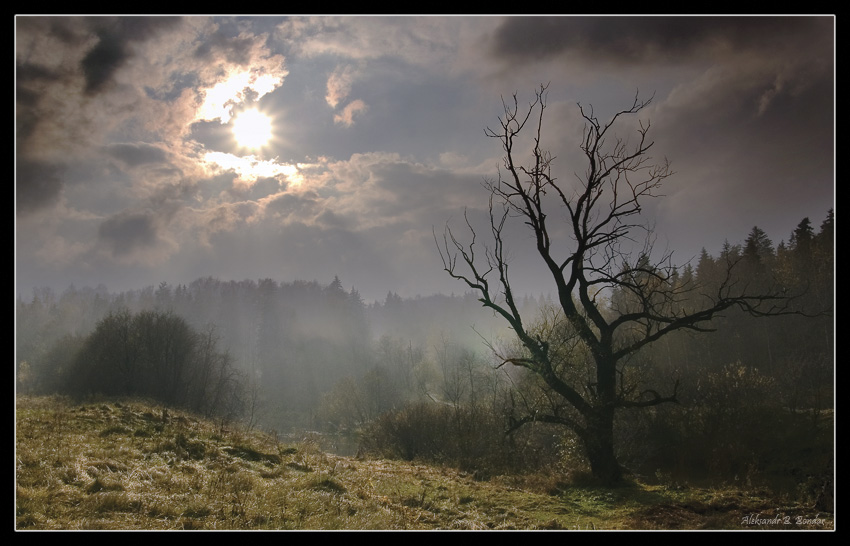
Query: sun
{"points": [[252, 129]]}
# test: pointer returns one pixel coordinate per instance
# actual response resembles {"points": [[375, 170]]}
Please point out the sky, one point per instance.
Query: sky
{"points": [[368, 136]]}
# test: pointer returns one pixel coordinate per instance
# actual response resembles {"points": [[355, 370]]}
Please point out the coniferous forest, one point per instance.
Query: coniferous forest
{"points": [[419, 379]]}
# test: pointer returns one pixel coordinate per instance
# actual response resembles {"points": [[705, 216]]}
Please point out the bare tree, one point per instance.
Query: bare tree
{"points": [[602, 211]]}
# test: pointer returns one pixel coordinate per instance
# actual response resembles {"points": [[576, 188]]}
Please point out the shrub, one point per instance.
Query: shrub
{"points": [[468, 437], [732, 428], [156, 355]]}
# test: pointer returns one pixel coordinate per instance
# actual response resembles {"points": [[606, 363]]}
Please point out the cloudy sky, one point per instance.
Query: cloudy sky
{"points": [[133, 166]]}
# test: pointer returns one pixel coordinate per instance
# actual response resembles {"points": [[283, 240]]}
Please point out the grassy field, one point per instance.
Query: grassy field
{"points": [[133, 465]]}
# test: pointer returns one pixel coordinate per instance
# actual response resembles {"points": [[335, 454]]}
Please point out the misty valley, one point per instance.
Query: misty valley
{"points": [[426, 379], [530, 309]]}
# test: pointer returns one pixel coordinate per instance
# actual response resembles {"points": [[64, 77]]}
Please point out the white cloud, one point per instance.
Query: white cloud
{"points": [[237, 88], [339, 84], [352, 109], [250, 168]]}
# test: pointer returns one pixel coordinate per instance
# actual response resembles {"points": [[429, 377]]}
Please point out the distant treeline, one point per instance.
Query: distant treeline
{"points": [[312, 355], [291, 342]]}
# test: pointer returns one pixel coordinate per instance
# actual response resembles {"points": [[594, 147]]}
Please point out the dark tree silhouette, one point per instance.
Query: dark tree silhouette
{"points": [[155, 354], [602, 212]]}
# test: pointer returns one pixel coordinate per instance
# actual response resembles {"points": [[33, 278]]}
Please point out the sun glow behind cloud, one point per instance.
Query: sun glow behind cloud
{"points": [[220, 99], [252, 129], [127, 123], [250, 169]]}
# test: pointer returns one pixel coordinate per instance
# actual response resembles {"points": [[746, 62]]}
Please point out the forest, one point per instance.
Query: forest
{"points": [[420, 378]]}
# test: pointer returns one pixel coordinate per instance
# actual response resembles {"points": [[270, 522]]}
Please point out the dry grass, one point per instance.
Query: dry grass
{"points": [[133, 465]]}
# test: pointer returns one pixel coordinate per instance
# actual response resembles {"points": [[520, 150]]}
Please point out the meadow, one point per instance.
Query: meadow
{"points": [[132, 464]]}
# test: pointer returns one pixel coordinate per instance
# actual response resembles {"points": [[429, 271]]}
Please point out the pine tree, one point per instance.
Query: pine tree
{"points": [[758, 247], [802, 237]]}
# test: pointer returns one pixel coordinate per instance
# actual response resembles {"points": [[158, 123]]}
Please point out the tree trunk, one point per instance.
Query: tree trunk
{"points": [[599, 447]]}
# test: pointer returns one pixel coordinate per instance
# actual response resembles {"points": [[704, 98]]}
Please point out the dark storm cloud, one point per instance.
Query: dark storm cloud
{"points": [[112, 50], [30, 73], [125, 232], [64, 30], [747, 119], [52, 124], [103, 60], [38, 185], [34, 80], [649, 39], [135, 154], [30, 81], [145, 28], [779, 159]]}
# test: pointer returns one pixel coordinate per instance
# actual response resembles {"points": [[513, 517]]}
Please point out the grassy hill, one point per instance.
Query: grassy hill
{"points": [[135, 465]]}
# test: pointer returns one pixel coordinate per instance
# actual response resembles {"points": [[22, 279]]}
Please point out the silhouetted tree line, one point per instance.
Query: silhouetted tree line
{"points": [[756, 396], [796, 351]]}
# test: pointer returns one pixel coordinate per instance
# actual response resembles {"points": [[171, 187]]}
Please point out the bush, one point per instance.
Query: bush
{"points": [[470, 438], [415, 431], [156, 355], [731, 429]]}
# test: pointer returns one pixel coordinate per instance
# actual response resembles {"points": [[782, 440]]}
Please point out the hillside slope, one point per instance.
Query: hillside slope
{"points": [[136, 465]]}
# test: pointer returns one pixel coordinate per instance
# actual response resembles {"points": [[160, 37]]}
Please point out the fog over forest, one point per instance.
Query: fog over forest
{"points": [[371, 228], [313, 356]]}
